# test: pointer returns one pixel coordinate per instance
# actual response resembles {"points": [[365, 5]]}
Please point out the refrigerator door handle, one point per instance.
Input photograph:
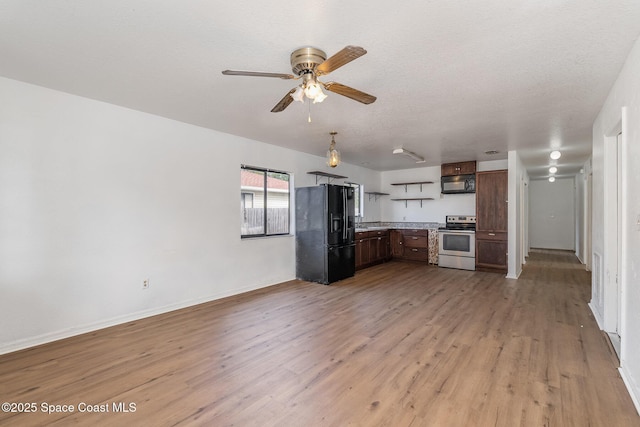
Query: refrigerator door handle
{"points": [[345, 214]]}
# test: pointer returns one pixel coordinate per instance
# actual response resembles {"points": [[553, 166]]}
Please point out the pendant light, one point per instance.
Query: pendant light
{"points": [[333, 155]]}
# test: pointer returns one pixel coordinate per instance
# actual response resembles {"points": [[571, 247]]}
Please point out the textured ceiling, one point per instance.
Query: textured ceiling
{"points": [[453, 79]]}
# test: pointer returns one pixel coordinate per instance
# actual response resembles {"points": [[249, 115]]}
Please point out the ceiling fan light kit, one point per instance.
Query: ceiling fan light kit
{"points": [[414, 156], [309, 88], [309, 63]]}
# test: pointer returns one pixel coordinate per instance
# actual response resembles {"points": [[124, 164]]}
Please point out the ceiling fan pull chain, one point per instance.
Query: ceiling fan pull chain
{"points": [[309, 119]]}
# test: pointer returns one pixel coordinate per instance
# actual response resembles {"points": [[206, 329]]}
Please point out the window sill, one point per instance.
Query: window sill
{"points": [[273, 236]]}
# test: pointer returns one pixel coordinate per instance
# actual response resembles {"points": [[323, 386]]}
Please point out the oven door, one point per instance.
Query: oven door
{"points": [[457, 243]]}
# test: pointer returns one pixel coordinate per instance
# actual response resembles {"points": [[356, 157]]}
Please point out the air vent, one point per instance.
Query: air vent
{"points": [[491, 152]]}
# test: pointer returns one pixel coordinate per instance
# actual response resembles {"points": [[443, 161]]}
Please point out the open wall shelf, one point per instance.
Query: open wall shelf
{"points": [[421, 199], [327, 175], [375, 194], [406, 184]]}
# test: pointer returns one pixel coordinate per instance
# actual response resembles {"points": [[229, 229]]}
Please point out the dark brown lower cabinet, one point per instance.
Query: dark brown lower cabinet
{"points": [[372, 247], [491, 255], [410, 244], [376, 246]]}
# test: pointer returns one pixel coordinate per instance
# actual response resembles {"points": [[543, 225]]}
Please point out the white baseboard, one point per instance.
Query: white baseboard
{"points": [[596, 315], [632, 388], [22, 344], [514, 276]]}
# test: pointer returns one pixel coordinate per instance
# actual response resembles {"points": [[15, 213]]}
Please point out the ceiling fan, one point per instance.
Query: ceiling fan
{"points": [[309, 63]]}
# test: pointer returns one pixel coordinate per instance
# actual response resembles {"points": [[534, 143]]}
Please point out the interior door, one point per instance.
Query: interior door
{"points": [[619, 232]]}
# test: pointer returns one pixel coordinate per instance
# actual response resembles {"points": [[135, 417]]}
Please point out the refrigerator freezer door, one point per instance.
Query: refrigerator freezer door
{"points": [[341, 262]]}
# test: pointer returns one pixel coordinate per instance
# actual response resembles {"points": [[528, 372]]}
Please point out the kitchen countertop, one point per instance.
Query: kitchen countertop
{"points": [[398, 226]]}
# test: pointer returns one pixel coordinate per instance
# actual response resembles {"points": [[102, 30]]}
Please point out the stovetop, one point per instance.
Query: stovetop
{"points": [[460, 223]]}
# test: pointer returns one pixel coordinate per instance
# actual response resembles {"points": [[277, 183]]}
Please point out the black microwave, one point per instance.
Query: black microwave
{"points": [[458, 184]]}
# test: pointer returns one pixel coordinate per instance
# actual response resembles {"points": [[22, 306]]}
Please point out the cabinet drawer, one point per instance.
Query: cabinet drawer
{"points": [[416, 233], [416, 254], [416, 241], [491, 235]]}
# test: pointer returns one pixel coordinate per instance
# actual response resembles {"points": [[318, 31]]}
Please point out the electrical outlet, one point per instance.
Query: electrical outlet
{"points": [[145, 284]]}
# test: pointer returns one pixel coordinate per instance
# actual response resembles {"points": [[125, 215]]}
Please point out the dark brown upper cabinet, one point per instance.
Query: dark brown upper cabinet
{"points": [[461, 168]]}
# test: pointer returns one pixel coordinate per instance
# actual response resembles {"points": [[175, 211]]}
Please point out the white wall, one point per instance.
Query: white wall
{"points": [[621, 110], [552, 219], [518, 227], [431, 210], [95, 198]]}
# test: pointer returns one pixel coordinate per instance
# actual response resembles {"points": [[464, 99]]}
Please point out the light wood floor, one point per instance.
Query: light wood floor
{"points": [[400, 344]]}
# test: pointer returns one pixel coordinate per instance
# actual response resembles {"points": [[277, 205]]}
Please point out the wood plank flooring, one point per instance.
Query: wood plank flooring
{"points": [[400, 344]]}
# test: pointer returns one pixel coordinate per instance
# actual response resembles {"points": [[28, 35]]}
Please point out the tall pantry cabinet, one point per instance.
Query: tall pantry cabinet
{"points": [[491, 221]]}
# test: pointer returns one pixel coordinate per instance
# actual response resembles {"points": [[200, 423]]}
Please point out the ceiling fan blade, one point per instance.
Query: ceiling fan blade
{"points": [[349, 92], [341, 58], [284, 102], [257, 74]]}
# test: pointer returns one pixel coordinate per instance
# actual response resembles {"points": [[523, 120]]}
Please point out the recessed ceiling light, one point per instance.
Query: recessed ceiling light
{"points": [[555, 155], [552, 179], [553, 169]]}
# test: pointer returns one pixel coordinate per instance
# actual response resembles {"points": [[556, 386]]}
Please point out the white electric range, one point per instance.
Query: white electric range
{"points": [[457, 243]]}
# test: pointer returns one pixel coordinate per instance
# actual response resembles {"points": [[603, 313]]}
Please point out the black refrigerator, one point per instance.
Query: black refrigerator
{"points": [[325, 233]]}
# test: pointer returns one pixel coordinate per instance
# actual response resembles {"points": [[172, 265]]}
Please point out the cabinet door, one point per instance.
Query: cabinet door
{"points": [[380, 248], [467, 168], [375, 249], [448, 169], [491, 254], [362, 252], [385, 248], [396, 244], [491, 201]]}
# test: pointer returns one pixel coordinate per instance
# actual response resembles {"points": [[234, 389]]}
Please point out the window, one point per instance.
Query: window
{"points": [[247, 200], [358, 190], [264, 202]]}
